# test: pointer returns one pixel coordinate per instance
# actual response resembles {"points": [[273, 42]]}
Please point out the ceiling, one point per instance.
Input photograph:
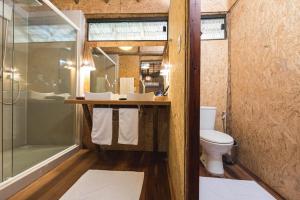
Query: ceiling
{"points": [[114, 6]]}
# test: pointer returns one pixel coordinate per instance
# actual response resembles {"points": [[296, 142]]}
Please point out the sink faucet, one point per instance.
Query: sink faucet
{"points": [[144, 86]]}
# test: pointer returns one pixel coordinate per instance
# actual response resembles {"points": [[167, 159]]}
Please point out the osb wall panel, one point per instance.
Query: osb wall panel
{"points": [[214, 71], [145, 132], [230, 3], [214, 5], [177, 96], [115, 6], [265, 73], [130, 67]]}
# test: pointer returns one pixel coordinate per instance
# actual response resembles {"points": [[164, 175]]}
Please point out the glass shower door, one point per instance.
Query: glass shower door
{"points": [[7, 85], [38, 55]]}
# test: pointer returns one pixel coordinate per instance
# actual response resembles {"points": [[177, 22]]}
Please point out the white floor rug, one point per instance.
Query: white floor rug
{"points": [[106, 185], [228, 189]]}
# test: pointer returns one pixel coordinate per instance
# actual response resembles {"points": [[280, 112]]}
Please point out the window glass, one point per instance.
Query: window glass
{"points": [[132, 30], [213, 28]]}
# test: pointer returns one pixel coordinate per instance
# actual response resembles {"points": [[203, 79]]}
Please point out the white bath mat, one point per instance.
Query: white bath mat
{"points": [[106, 185], [228, 189]]}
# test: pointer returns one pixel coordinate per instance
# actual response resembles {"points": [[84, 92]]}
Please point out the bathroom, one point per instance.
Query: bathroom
{"points": [[73, 69]]}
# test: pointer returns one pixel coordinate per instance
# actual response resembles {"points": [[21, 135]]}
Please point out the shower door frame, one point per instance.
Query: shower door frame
{"points": [[16, 183]]}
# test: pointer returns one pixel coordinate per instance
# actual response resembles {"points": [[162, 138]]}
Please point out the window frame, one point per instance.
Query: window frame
{"points": [[110, 20], [215, 16]]}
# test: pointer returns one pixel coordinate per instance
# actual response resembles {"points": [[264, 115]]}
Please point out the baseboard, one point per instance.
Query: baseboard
{"points": [[20, 181], [260, 181], [173, 197]]}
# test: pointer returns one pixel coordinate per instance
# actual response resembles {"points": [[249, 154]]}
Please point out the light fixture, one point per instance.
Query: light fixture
{"points": [[86, 66], [145, 66], [65, 62], [126, 48], [164, 72], [148, 78], [68, 67], [167, 66], [17, 76], [88, 63]]}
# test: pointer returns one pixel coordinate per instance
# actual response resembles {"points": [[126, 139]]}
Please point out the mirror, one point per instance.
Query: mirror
{"points": [[129, 69], [105, 76]]}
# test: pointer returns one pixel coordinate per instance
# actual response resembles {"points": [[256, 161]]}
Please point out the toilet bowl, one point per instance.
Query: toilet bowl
{"points": [[214, 143]]}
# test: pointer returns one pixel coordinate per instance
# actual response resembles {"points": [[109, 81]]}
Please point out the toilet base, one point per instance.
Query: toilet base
{"points": [[213, 164]]}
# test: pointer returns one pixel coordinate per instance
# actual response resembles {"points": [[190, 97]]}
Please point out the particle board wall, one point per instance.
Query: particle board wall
{"points": [[214, 71], [214, 5], [115, 6], [265, 74], [177, 91], [230, 3], [130, 67]]}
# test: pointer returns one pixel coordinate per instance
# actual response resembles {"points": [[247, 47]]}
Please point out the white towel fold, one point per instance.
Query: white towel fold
{"points": [[102, 126], [128, 126]]}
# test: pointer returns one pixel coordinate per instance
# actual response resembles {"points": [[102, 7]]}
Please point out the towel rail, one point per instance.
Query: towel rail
{"points": [[86, 104]]}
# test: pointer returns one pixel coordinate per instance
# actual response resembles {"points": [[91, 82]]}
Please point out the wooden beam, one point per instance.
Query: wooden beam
{"points": [[127, 16], [133, 53], [76, 1], [125, 43], [193, 101]]}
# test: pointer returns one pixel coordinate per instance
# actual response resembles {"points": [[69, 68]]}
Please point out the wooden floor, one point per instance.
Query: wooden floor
{"points": [[238, 172], [55, 183]]}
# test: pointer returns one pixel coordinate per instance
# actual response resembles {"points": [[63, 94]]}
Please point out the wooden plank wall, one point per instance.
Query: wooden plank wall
{"points": [[265, 74]]}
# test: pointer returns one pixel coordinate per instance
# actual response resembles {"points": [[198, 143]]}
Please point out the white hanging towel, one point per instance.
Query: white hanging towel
{"points": [[128, 126], [102, 126], [126, 85]]}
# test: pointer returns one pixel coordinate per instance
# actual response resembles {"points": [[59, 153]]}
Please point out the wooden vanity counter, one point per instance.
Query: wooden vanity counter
{"points": [[87, 106], [119, 102]]}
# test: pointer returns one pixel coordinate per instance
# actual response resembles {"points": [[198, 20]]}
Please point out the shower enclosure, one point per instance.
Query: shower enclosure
{"points": [[38, 71]]}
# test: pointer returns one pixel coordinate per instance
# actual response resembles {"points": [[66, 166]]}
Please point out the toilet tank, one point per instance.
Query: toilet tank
{"points": [[207, 117]]}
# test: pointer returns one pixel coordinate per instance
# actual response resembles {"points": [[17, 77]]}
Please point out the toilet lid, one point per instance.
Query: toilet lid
{"points": [[215, 137]]}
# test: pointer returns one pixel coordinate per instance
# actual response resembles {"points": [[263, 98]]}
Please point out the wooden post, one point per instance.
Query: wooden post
{"points": [[193, 101]]}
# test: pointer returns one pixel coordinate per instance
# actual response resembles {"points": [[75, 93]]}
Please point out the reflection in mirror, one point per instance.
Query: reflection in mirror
{"points": [[129, 69], [152, 80], [104, 78]]}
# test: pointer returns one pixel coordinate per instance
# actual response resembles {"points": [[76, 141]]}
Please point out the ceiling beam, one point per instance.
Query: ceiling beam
{"points": [[77, 1], [125, 43]]}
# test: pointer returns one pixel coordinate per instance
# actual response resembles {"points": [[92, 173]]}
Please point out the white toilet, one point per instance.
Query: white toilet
{"points": [[214, 143]]}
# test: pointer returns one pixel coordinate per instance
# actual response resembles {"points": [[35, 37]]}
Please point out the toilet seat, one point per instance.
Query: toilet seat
{"points": [[215, 137]]}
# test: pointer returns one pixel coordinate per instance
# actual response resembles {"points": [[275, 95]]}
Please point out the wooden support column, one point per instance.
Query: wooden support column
{"points": [[193, 101]]}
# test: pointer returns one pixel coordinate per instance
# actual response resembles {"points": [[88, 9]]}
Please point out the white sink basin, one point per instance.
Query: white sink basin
{"points": [[99, 96], [141, 97]]}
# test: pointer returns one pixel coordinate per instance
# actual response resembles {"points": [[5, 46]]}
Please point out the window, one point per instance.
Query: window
{"points": [[213, 27], [128, 30]]}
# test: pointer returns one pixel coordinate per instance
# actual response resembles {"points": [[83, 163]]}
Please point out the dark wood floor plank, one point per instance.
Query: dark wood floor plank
{"points": [[56, 182]]}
